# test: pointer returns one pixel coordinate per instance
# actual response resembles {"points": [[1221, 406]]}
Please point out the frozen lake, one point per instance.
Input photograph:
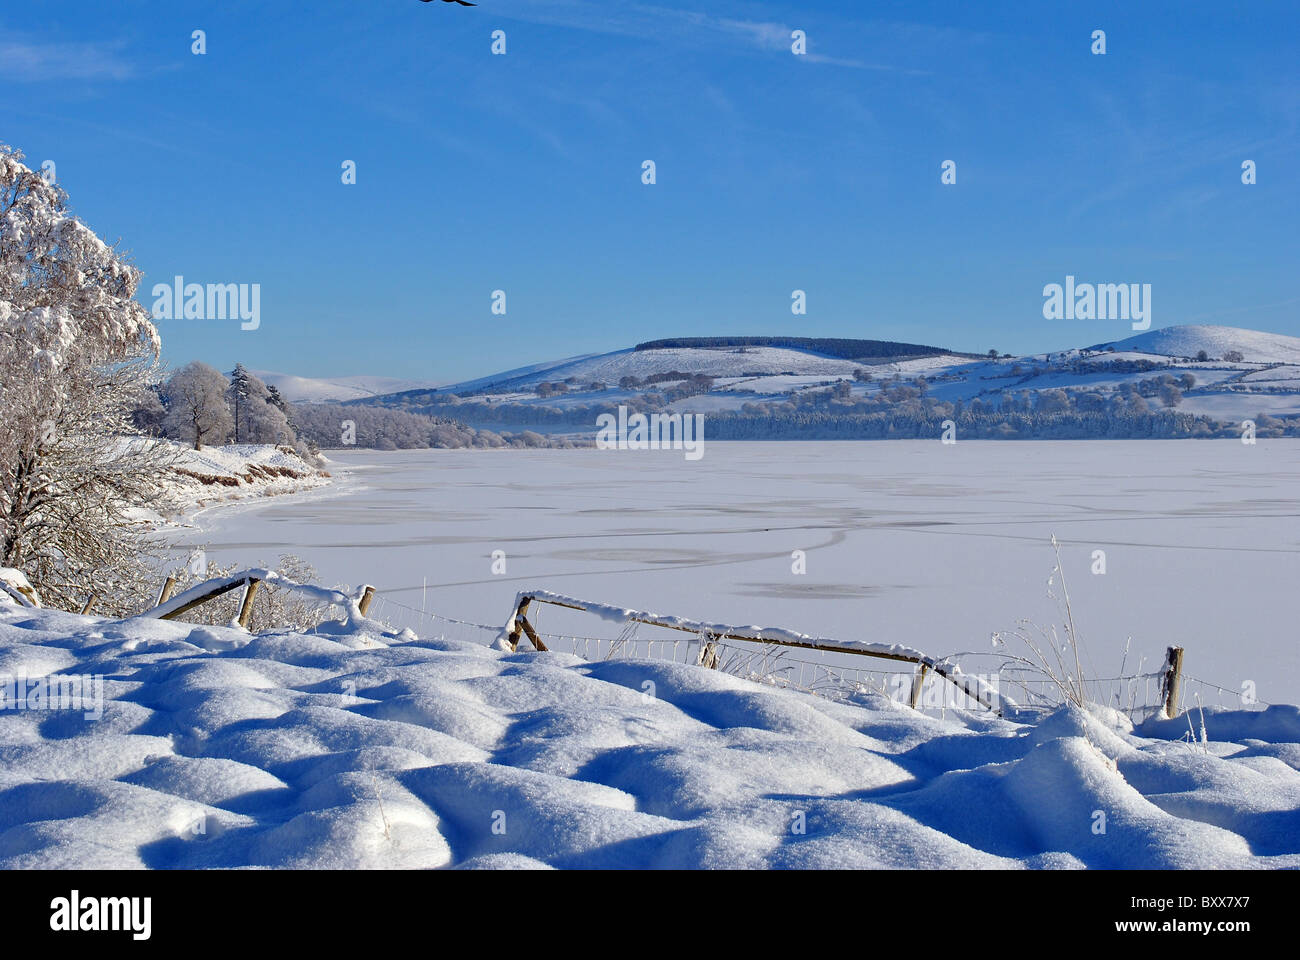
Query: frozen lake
{"points": [[906, 541]]}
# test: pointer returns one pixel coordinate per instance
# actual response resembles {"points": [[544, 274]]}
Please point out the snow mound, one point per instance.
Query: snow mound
{"points": [[205, 747], [16, 588], [1255, 346], [242, 461], [237, 471]]}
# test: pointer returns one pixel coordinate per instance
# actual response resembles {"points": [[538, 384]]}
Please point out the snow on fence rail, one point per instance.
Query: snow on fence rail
{"points": [[518, 626], [169, 607], [766, 666]]}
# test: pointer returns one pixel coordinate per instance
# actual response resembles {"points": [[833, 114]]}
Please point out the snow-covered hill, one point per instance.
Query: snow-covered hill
{"points": [[1261, 382], [1255, 346], [783, 368], [610, 368], [778, 370], [196, 746], [336, 389]]}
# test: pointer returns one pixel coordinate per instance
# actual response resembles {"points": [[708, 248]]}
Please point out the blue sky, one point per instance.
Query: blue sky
{"points": [[775, 172]]}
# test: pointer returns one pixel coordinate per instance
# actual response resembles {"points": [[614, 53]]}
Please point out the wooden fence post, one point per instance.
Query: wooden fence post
{"points": [[246, 609], [367, 597], [520, 619], [918, 681], [522, 626], [167, 589], [1173, 680], [90, 602], [533, 638], [709, 658]]}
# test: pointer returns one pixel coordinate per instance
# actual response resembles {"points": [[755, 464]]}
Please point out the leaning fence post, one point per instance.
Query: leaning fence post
{"points": [[533, 638], [1173, 680], [246, 608], [518, 620], [367, 596], [90, 602], [167, 588]]}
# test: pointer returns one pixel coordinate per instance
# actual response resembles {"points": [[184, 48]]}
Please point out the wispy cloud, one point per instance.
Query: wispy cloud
{"points": [[766, 36], [683, 26], [30, 61]]}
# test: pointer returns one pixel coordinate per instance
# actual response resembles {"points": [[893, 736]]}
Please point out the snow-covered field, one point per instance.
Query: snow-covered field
{"points": [[193, 746]]}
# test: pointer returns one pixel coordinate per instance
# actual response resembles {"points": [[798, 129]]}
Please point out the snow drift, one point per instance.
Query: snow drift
{"points": [[357, 747], [239, 470]]}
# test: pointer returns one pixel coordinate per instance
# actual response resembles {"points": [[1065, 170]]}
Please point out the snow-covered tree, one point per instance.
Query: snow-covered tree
{"points": [[196, 405], [148, 414], [268, 424], [274, 398], [77, 353], [240, 393], [257, 419]]}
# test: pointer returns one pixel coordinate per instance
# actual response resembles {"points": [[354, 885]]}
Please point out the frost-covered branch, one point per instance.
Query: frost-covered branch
{"points": [[76, 351]]}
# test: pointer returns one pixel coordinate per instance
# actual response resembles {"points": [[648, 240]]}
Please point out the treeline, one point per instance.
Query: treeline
{"points": [[200, 405], [335, 426], [904, 411], [845, 348], [575, 416], [927, 422], [1081, 367]]}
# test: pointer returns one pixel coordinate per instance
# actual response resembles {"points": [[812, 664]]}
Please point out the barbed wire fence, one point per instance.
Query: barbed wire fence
{"points": [[1138, 695]]}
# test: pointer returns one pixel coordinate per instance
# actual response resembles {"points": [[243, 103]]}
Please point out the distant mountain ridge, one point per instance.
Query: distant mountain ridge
{"points": [[336, 389]]}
